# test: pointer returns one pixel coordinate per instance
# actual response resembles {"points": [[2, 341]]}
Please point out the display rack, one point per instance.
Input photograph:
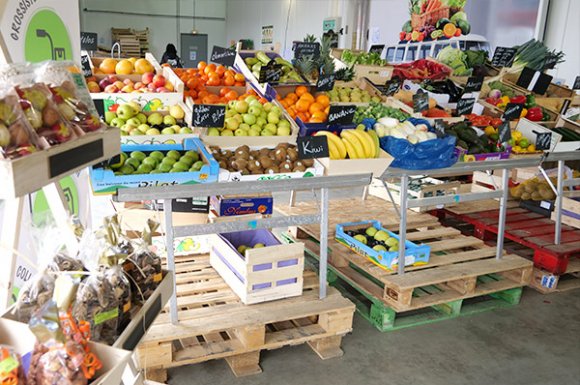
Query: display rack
{"points": [[314, 183]]}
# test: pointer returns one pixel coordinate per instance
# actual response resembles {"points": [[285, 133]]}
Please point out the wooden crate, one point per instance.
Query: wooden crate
{"points": [[426, 190], [376, 74], [262, 274], [546, 282], [214, 324], [363, 84], [570, 212], [553, 91]]}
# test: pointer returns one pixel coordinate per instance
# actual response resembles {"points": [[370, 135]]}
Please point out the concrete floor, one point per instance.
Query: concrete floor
{"points": [[536, 342]]}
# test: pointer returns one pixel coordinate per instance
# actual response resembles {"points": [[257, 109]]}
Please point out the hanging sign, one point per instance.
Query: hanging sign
{"points": [[325, 83]]}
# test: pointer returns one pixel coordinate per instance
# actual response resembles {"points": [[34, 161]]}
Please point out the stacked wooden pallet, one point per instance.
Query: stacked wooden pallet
{"points": [[133, 43]]}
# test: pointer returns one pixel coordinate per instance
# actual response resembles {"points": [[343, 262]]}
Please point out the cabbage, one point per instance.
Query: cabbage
{"points": [[456, 59]]}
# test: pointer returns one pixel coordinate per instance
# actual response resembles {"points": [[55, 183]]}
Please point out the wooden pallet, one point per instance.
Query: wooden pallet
{"points": [[528, 229], [214, 324], [460, 268], [546, 282]]}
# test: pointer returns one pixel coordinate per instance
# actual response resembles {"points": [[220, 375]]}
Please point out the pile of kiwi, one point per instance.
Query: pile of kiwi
{"points": [[282, 159]]}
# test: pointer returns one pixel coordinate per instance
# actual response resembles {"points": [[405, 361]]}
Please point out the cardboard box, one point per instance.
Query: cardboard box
{"points": [[230, 205], [376, 166], [182, 205], [134, 216], [114, 360]]}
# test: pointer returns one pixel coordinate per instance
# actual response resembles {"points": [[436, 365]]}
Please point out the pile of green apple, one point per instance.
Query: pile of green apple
{"points": [[132, 121], [243, 248], [156, 162], [249, 117], [379, 240]]}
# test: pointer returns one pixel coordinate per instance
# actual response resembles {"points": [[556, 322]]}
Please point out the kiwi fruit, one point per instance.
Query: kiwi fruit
{"points": [[242, 154], [271, 170], [299, 168], [286, 166], [244, 171], [526, 196], [223, 164], [266, 162], [228, 153], [280, 154], [244, 148], [257, 171], [308, 162], [255, 154], [239, 163], [536, 196], [292, 154], [264, 152]]}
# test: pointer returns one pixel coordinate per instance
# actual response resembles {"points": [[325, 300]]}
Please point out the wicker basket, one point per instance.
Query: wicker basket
{"points": [[429, 18]]}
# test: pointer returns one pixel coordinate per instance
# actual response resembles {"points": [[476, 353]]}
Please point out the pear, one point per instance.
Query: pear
{"points": [[381, 235], [371, 231], [361, 238]]}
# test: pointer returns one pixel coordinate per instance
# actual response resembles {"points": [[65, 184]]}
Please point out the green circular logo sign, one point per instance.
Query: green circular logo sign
{"points": [[40, 207], [47, 38]]}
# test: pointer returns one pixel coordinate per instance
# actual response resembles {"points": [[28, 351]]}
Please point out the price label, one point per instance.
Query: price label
{"points": [[543, 140], [465, 106], [512, 111], [341, 114], [325, 82], [503, 57], [302, 48], [224, 56], [535, 81], [310, 147], [391, 87], [420, 102], [207, 115], [100, 106], [89, 41], [505, 132], [439, 128], [86, 65], [576, 85], [565, 106], [377, 48], [474, 84], [270, 73]]}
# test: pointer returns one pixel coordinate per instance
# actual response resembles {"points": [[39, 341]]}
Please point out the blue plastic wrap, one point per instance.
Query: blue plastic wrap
{"points": [[431, 154]]}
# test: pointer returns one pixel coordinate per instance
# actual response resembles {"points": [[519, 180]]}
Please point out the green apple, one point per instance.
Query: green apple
{"points": [[197, 165], [379, 248], [250, 99], [240, 132], [264, 115], [255, 109], [118, 122], [283, 131], [227, 133], [242, 249], [135, 132], [185, 130], [259, 245], [126, 111], [139, 155], [157, 155], [134, 122], [181, 165], [164, 168], [273, 118], [168, 131], [169, 120], [187, 160], [284, 123], [239, 118], [392, 241], [143, 128], [232, 124], [230, 112], [142, 117], [126, 170], [244, 126], [231, 105], [152, 131], [253, 132], [174, 154], [266, 132], [192, 154], [381, 235], [150, 161], [126, 128], [256, 127], [276, 110], [261, 122], [144, 169], [242, 106], [271, 127], [394, 248], [134, 163], [371, 231], [361, 238], [212, 131], [249, 119], [136, 106], [155, 119], [268, 106], [109, 116], [169, 161], [156, 172]]}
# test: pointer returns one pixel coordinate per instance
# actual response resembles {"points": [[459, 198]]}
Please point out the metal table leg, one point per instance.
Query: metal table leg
{"points": [[559, 196], [292, 202], [502, 213], [323, 240], [403, 223], [168, 210]]}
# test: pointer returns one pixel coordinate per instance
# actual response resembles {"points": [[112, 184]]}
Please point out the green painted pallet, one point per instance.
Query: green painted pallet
{"points": [[384, 318]]}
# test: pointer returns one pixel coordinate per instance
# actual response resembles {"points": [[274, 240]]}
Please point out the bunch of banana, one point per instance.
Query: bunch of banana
{"points": [[356, 144]]}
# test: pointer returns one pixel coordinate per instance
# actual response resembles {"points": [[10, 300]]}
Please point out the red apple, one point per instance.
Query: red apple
{"points": [[159, 80], [104, 83], [93, 87], [111, 89], [139, 85], [147, 77], [151, 87], [111, 78], [161, 89], [128, 82]]}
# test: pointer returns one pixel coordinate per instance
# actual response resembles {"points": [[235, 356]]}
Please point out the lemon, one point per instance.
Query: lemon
{"points": [[517, 135], [516, 149], [489, 130], [531, 148]]}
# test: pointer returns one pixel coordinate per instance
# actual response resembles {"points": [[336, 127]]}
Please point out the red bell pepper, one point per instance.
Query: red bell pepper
{"points": [[493, 101], [535, 114], [520, 99]]}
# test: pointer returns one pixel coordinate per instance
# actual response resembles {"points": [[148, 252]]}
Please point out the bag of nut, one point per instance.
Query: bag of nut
{"points": [[11, 370]]}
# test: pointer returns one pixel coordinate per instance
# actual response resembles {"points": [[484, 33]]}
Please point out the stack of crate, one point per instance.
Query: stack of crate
{"points": [[133, 43]]}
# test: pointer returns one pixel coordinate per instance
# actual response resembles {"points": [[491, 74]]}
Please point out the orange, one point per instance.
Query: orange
{"points": [[209, 68], [315, 107], [302, 105], [108, 65], [201, 65], [229, 81], [449, 30], [192, 83], [292, 96], [220, 70], [202, 94], [307, 96], [239, 78], [327, 110], [232, 95], [302, 116], [143, 66], [320, 116], [239, 84], [301, 90], [224, 90], [323, 99]]}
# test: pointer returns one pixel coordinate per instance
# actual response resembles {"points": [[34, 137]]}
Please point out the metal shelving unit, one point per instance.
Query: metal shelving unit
{"points": [[167, 193]]}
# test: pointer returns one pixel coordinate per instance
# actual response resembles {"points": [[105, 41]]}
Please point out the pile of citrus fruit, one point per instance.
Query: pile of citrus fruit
{"points": [[197, 79], [309, 108]]}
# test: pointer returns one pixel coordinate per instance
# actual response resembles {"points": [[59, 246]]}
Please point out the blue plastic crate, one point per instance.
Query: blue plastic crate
{"points": [[415, 255]]}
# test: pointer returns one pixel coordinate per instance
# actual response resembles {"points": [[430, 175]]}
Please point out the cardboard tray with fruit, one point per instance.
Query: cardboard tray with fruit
{"points": [[244, 163], [378, 245], [155, 166], [530, 130]]}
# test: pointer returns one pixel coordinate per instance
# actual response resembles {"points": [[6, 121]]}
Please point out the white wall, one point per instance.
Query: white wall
{"points": [[386, 20], [562, 33], [163, 30]]}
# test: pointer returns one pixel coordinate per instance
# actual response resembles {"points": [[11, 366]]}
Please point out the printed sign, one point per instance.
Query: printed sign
{"points": [[310, 147], [89, 41], [512, 111], [341, 114], [325, 83], [302, 48], [206, 115], [576, 85], [550, 63], [503, 57], [439, 128], [420, 102], [391, 87], [465, 106], [224, 56], [267, 34]]}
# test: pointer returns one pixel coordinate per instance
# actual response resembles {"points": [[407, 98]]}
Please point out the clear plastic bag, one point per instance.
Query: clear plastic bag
{"points": [[35, 293], [11, 370], [17, 138]]}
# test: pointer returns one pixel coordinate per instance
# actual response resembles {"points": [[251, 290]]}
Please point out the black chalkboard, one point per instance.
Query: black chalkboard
{"points": [[535, 81], [420, 102], [505, 132], [89, 41], [543, 140], [576, 85], [270, 73], [341, 114], [474, 84], [325, 82], [550, 63], [86, 66], [139, 331], [439, 126], [503, 57], [66, 161], [310, 147], [224, 56], [100, 106], [302, 48], [465, 106], [512, 111], [391, 87], [378, 48], [207, 115]]}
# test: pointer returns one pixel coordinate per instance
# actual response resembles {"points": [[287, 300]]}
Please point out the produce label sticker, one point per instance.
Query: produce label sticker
{"points": [[548, 281], [106, 316], [207, 115], [474, 84], [310, 147], [224, 56], [512, 111], [303, 48], [377, 48], [503, 56], [325, 82], [465, 106], [341, 114], [420, 102], [543, 140], [8, 364]]}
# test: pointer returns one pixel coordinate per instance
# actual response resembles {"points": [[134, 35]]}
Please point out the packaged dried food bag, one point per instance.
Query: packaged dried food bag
{"points": [[35, 293], [17, 138], [11, 370], [69, 93]]}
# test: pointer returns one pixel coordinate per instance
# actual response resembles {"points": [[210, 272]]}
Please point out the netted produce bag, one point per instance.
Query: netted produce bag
{"points": [[17, 137], [69, 93], [538, 188], [11, 370]]}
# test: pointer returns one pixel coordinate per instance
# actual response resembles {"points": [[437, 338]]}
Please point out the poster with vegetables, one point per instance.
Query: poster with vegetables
{"points": [[435, 19]]}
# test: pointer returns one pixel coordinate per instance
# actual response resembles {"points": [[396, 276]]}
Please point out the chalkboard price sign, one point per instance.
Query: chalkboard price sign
{"points": [[474, 84], [86, 66], [100, 106], [503, 57], [390, 88], [270, 73], [302, 48], [341, 114], [576, 85], [206, 115], [420, 102], [439, 128], [512, 111], [465, 106], [224, 56], [535, 81], [89, 41], [543, 140], [325, 83], [505, 132], [310, 147]]}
